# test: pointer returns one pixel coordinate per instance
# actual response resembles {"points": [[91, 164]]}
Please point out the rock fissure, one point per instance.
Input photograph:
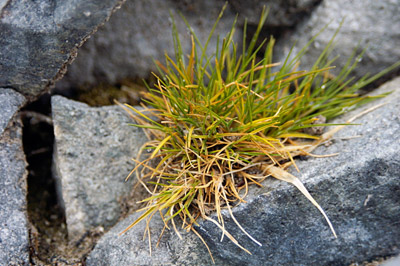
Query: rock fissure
{"points": [[47, 230]]}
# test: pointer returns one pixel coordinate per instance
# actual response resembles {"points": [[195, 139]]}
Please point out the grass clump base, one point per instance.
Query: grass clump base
{"points": [[217, 124]]}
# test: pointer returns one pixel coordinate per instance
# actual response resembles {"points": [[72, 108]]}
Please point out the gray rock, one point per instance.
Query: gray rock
{"points": [[392, 262], [371, 24], [14, 237], [281, 13], [138, 33], [141, 31], [114, 249], [358, 189], [93, 151], [38, 39], [10, 101]]}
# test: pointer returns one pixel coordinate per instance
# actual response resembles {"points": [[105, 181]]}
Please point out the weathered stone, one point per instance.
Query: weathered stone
{"points": [[392, 262], [358, 189], [14, 237], [92, 156], [139, 33], [367, 24], [114, 249], [10, 101], [38, 39], [281, 13]]}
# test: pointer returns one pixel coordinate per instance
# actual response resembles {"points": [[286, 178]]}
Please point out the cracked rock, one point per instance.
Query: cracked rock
{"points": [[14, 237], [38, 39], [138, 34], [92, 157], [10, 101]]}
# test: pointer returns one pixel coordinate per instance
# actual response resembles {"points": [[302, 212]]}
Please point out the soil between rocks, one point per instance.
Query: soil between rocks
{"points": [[126, 91]]}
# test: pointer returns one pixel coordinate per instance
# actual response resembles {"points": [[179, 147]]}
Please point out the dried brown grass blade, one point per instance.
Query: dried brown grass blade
{"points": [[227, 233], [236, 222], [204, 242], [286, 176]]}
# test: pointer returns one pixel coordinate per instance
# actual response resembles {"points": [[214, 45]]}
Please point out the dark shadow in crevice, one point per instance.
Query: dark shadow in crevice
{"points": [[49, 243], [45, 215]]}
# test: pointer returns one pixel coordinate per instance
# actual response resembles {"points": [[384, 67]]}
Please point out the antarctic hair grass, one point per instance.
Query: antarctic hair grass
{"points": [[218, 124]]}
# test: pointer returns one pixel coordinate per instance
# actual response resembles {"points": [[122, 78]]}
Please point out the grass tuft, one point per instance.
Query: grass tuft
{"points": [[218, 124]]}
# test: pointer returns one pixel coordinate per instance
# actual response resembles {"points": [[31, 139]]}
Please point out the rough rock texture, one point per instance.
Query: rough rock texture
{"points": [[10, 102], [358, 190], [14, 237], [282, 13], [138, 33], [392, 262], [372, 24], [38, 39], [93, 150], [130, 249], [141, 31]]}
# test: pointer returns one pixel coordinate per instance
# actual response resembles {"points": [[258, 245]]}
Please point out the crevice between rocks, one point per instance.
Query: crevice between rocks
{"points": [[49, 243], [46, 218], [48, 231]]}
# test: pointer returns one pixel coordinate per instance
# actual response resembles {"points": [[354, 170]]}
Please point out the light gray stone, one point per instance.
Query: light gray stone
{"points": [[38, 39], [367, 24], [358, 189], [114, 249], [392, 262], [14, 237], [139, 33], [10, 102], [93, 151]]}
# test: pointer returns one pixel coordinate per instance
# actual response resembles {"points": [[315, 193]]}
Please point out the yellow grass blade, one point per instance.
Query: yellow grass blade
{"points": [[226, 233], [204, 242], [236, 222], [159, 147], [297, 135], [189, 137], [144, 215]]}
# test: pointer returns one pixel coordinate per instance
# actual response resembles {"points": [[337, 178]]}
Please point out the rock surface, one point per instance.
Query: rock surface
{"points": [[10, 101], [138, 33], [14, 237], [281, 14], [141, 31], [358, 189], [38, 39], [92, 157], [130, 249], [371, 24], [392, 262]]}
